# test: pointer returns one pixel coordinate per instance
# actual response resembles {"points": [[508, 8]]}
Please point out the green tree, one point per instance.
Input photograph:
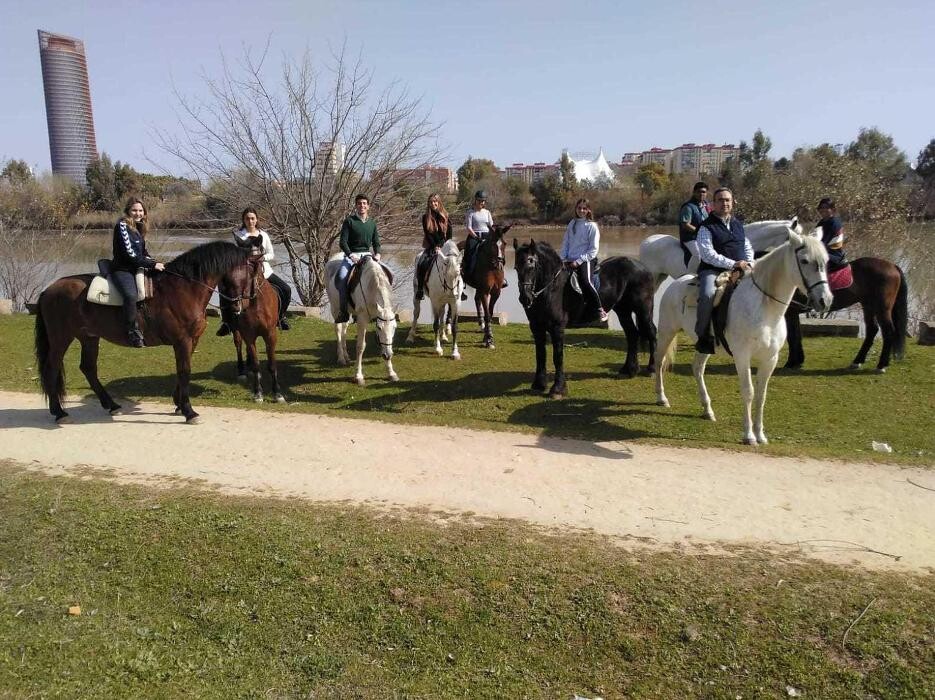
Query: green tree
{"points": [[17, 171], [471, 172], [567, 171], [878, 150], [925, 163], [651, 177], [102, 184], [126, 181], [549, 196]]}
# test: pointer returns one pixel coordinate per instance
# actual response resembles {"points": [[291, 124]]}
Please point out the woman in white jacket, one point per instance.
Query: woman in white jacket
{"points": [[579, 251], [249, 229]]}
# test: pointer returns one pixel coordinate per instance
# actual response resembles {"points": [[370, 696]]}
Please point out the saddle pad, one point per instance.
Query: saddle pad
{"points": [[102, 291], [840, 279]]}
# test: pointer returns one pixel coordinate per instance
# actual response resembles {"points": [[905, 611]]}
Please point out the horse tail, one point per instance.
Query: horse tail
{"points": [[901, 316], [51, 388], [667, 356]]}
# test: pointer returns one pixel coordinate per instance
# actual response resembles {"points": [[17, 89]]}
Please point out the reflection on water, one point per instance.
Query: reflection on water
{"points": [[165, 245]]}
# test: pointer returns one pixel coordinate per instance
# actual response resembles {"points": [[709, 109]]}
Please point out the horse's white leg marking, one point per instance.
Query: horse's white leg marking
{"points": [[742, 363], [362, 322], [341, 330]]}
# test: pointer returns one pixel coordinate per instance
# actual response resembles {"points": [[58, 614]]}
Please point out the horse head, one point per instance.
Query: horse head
{"points": [[380, 290], [241, 283], [526, 264], [811, 259], [452, 263], [494, 244]]}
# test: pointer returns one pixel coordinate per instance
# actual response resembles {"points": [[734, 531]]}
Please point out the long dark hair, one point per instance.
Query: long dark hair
{"points": [[249, 210], [431, 223], [587, 205]]}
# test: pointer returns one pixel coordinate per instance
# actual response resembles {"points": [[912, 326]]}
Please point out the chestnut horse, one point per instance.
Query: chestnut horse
{"points": [[175, 316], [487, 277], [881, 290]]}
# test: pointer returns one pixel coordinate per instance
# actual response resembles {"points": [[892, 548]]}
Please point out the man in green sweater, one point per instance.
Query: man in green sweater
{"points": [[358, 236]]}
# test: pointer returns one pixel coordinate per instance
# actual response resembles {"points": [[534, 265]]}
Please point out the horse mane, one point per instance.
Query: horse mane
{"points": [[208, 260], [450, 247]]}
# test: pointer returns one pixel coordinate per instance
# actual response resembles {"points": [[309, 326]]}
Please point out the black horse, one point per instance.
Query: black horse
{"points": [[626, 286]]}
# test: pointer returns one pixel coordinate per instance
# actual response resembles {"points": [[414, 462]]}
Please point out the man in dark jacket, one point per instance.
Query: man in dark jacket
{"points": [[832, 234]]}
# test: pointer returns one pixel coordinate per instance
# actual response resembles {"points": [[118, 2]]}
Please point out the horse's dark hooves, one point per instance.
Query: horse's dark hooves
{"points": [[115, 410], [556, 395], [177, 412], [193, 419], [62, 419], [792, 365], [647, 371], [241, 378], [628, 372]]}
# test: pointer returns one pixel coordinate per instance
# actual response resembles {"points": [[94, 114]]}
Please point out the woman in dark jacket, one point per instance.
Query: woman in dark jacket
{"points": [[436, 229], [130, 254]]}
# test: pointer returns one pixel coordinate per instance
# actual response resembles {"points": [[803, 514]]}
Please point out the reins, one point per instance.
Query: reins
{"points": [[808, 287]]}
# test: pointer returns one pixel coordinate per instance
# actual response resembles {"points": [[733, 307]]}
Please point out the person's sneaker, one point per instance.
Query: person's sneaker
{"points": [[284, 324], [705, 345], [223, 330]]}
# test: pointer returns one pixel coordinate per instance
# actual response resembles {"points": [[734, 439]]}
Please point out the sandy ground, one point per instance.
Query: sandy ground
{"points": [[689, 499]]}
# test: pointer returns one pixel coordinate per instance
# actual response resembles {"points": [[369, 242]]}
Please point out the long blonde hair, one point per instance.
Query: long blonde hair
{"points": [[430, 222]]}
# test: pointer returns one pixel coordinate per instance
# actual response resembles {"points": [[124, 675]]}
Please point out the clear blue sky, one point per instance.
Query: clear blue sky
{"points": [[513, 81]]}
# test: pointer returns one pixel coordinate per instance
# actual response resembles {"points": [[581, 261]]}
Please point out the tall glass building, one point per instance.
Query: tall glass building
{"points": [[67, 104]]}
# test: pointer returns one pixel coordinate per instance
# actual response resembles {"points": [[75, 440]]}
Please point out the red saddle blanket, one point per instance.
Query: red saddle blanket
{"points": [[840, 279]]}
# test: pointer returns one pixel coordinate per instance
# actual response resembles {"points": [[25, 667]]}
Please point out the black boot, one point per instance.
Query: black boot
{"points": [[223, 330], [284, 324], [135, 336], [705, 345], [420, 292]]}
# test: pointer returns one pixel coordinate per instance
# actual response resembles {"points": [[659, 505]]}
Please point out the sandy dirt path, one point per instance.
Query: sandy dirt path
{"points": [[692, 499]]}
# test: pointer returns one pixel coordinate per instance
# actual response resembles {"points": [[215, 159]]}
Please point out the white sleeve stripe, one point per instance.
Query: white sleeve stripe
{"points": [[837, 239]]}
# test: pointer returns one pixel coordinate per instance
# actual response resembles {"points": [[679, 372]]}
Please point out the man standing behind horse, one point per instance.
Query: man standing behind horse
{"points": [[358, 236], [722, 245], [691, 216]]}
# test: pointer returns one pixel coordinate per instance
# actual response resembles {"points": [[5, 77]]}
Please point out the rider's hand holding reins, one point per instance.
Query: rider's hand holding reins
{"points": [[159, 267]]}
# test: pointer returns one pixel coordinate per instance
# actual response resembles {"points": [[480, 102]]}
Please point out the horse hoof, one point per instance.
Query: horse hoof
{"points": [[394, 377], [762, 440], [556, 395], [854, 365], [708, 415], [359, 381], [881, 370], [63, 419], [793, 366], [439, 352], [748, 441], [194, 419], [662, 402], [455, 356], [115, 410], [410, 339], [258, 398], [279, 398], [177, 412], [241, 378]]}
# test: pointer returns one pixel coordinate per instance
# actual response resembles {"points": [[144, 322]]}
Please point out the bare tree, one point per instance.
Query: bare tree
{"points": [[31, 258], [301, 146]]}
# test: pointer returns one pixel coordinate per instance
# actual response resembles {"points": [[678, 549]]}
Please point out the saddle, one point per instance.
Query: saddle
{"points": [[842, 278], [103, 291], [724, 284], [353, 278], [595, 278]]}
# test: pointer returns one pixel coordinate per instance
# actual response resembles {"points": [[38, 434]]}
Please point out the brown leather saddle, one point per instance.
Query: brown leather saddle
{"points": [[722, 302], [353, 278]]}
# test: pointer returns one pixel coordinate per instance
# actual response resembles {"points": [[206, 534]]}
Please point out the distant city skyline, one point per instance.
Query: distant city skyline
{"points": [[514, 82]]}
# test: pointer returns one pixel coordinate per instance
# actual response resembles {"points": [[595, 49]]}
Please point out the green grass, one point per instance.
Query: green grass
{"points": [[822, 411], [189, 594]]}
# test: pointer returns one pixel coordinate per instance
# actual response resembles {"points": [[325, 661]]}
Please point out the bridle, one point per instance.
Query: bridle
{"points": [[379, 319], [441, 274], [808, 287], [528, 286], [237, 300]]}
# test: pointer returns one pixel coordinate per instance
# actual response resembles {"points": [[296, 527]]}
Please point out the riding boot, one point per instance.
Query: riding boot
{"points": [[135, 335], [343, 315], [705, 345], [284, 324], [420, 292]]}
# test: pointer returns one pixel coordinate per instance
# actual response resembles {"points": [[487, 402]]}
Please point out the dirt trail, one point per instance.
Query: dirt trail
{"points": [[694, 499]]}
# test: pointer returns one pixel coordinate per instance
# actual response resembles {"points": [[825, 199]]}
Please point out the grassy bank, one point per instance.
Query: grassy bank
{"points": [[823, 411], [187, 594]]}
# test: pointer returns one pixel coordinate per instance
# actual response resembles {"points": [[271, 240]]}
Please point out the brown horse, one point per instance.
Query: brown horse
{"points": [[174, 316], [880, 288], [487, 278], [259, 320]]}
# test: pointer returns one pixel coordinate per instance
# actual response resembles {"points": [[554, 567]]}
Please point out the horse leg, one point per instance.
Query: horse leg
{"points": [[888, 331], [446, 323], [183, 369], [438, 325], [480, 309], [763, 374], [538, 336], [340, 330], [362, 322], [631, 366], [416, 309], [794, 337], [453, 319], [742, 363], [647, 330], [241, 367], [53, 378], [491, 302], [270, 340], [255, 370], [870, 332], [89, 351], [698, 365], [558, 390]]}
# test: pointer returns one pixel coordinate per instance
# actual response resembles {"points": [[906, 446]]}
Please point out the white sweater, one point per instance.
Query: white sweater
{"points": [[269, 254], [581, 241]]}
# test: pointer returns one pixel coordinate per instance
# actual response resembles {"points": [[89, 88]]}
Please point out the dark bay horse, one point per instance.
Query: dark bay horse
{"points": [[626, 286], [260, 319], [487, 278], [880, 288], [174, 316]]}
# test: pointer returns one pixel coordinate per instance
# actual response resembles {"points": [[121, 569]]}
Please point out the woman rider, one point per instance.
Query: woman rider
{"points": [[130, 254], [436, 229], [579, 251]]}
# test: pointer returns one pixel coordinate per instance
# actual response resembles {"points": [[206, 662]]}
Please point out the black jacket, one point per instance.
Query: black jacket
{"points": [[130, 248]]}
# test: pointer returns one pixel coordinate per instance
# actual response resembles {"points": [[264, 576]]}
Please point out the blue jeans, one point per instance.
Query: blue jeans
{"points": [[705, 302], [341, 281], [125, 282]]}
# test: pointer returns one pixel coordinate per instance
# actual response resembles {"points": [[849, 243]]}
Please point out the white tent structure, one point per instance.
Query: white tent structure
{"points": [[591, 168]]}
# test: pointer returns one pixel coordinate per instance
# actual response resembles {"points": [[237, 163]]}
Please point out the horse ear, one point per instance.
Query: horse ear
{"points": [[794, 224], [506, 228], [532, 245], [795, 238]]}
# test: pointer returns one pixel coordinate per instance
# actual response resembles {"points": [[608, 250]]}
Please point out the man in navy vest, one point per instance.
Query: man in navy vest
{"points": [[691, 216], [722, 245]]}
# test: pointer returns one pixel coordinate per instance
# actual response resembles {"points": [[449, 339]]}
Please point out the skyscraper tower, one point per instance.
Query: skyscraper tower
{"points": [[67, 104]]}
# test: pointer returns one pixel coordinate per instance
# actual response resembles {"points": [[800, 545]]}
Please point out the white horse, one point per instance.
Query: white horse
{"points": [[756, 329], [664, 257], [372, 299], [444, 288]]}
